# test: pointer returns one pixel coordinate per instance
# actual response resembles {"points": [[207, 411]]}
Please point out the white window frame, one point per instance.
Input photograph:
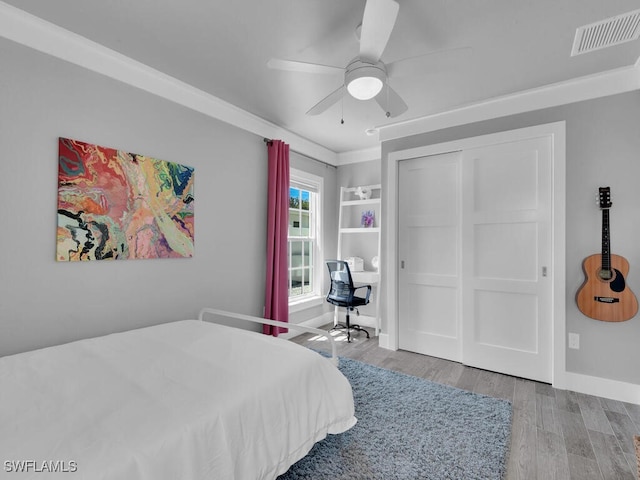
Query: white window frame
{"points": [[312, 183]]}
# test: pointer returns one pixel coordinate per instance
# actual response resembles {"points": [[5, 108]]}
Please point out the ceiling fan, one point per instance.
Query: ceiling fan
{"points": [[366, 76]]}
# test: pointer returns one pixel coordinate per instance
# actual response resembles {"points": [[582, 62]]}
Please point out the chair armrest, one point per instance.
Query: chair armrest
{"points": [[368, 287]]}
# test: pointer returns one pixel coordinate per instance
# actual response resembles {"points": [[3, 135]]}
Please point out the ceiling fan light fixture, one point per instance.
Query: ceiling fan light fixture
{"points": [[364, 88], [364, 80]]}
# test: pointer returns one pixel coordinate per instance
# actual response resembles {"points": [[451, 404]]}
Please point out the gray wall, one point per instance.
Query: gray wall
{"points": [[355, 174], [603, 148], [44, 302]]}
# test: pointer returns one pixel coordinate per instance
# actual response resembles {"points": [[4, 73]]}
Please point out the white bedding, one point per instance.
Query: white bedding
{"points": [[183, 400]]}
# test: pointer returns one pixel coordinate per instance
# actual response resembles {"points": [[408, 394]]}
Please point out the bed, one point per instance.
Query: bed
{"points": [[190, 399]]}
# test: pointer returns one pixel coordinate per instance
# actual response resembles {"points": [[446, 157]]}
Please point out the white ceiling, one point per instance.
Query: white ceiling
{"points": [[222, 48]]}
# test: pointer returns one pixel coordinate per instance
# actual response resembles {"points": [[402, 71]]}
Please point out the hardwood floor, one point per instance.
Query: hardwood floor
{"points": [[555, 434]]}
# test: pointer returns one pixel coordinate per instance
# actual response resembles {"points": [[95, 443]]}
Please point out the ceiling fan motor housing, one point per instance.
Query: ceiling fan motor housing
{"points": [[364, 80]]}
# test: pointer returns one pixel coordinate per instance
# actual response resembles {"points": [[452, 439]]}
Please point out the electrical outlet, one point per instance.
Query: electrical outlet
{"points": [[574, 340]]}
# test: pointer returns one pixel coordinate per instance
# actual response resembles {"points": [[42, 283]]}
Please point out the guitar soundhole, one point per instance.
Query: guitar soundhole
{"points": [[605, 274], [615, 278]]}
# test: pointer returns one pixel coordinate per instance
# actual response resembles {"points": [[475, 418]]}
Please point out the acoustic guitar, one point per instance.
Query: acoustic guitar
{"points": [[604, 295]]}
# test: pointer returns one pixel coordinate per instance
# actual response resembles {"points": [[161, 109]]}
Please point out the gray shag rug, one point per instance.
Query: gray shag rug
{"points": [[411, 428]]}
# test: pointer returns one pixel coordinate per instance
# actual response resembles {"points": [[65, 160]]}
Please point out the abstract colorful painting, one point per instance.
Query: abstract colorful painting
{"points": [[114, 205]]}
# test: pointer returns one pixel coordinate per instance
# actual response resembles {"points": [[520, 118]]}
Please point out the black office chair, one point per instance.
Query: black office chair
{"points": [[342, 294]]}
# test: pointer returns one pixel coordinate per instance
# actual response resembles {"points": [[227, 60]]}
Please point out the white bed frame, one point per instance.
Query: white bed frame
{"points": [[275, 323]]}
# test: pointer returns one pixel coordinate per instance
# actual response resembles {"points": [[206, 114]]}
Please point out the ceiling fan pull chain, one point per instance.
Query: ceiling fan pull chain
{"points": [[388, 113]]}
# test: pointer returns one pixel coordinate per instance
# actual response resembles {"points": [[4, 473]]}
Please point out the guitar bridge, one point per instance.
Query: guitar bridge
{"points": [[606, 299]]}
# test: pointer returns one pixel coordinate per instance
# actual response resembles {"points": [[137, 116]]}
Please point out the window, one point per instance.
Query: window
{"points": [[304, 234]]}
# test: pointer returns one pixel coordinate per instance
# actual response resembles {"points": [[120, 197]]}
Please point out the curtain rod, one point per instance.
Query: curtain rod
{"points": [[269, 140]]}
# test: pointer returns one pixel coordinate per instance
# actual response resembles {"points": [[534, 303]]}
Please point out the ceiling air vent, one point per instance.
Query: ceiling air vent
{"points": [[607, 33]]}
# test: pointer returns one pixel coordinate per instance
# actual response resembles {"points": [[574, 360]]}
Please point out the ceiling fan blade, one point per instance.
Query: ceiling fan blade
{"points": [[391, 102], [303, 67], [327, 102], [377, 24], [433, 62]]}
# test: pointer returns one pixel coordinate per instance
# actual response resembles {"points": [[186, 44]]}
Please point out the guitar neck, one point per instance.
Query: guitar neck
{"points": [[606, 241]]}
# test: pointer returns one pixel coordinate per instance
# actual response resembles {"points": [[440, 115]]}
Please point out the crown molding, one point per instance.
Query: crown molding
{"points": [[357, 156], [611, 82], [33, 32]]}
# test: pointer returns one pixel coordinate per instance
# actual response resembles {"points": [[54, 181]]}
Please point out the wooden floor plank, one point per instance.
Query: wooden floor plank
{"points": [[567, 400], [611, 460], [593, 414], [449, 373], [545, 389], [468, 378], [624, 430], [612, 405], [552, 461], [547, 414], [524, 401], [581, 468], [632, 460], [633, 411], [495, 385], [575, 434], [522, 462]]}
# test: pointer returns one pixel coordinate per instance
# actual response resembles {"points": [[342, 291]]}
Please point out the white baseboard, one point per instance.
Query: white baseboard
{"points": [[602, 387]]}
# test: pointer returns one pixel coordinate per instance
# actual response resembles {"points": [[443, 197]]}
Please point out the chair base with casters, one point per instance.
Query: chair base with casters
{"points": [[348, 327], [342, 294]]}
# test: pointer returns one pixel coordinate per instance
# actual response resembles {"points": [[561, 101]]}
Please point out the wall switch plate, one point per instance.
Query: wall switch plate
{"points": [[574, 340]]}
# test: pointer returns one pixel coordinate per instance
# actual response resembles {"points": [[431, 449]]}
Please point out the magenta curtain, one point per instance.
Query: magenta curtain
{"points": [[277, 281]]}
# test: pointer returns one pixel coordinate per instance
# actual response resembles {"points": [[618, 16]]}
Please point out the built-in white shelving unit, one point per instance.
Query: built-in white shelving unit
{"points": [[357, 240]]}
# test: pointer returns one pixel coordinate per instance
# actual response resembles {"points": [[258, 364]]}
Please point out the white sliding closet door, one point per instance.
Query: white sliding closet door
{"points": [[507, 249], [474, 246], [429, 249]]}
